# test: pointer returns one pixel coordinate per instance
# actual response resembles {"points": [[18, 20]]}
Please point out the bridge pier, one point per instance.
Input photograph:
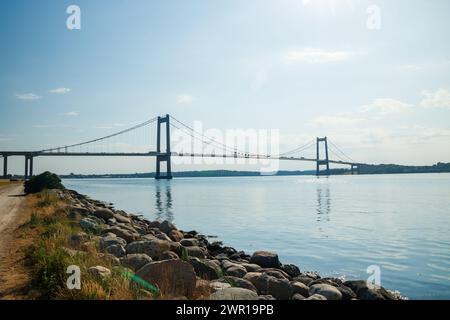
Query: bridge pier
{"points": [[322, 162], [26, 168], [163, 156], [354, 168], [5, 167]]}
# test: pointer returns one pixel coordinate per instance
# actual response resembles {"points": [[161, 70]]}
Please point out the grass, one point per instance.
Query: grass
{"points": [[49, 258]]}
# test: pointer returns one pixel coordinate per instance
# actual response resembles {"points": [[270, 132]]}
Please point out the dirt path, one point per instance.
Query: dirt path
{"points": [[13, 212], [11, 200]]}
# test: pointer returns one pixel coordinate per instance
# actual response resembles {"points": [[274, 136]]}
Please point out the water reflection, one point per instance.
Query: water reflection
{"points": [[323, 209], [163, 202]]}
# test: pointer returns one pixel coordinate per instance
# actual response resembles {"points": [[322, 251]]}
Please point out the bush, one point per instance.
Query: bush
{"points": [[46, 180]]}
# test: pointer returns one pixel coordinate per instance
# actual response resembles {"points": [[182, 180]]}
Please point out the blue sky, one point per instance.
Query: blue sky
{"points": [[308, 68]]}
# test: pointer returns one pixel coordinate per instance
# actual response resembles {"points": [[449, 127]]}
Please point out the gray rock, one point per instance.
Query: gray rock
{"points": [[292, 270], [166, 227], [205, 269], [217, 285], [173, 277], [281, 289], [251, 267], [316, 297], [135, 261], [124, 234], [99, 272], [238, 282], [169, 255], [236, 271], [89, 224], [300, 288], [234, 294], [197, 252], [369, 292], [116, 250], [103, 213], [265, 259], [266, 297], [122, 219], [259, 280], [109, 241], [153, 248], [191, 242], [326, 290], [297, 296]]}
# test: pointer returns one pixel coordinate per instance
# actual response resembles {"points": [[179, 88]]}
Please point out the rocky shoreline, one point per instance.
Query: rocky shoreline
{"points": [[176, 263]]}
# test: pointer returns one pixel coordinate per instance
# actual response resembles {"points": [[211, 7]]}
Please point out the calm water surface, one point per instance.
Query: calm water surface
{"points": [[339, 225]]}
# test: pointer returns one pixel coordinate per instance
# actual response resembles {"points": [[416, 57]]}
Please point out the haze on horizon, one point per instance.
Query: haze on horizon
{"points": [[307, 68]]}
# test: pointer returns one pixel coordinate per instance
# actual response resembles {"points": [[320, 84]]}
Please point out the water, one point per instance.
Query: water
{"points": [[338, 226]]}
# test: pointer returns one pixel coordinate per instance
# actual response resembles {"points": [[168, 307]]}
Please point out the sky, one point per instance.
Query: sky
{"points": [[373, 76]]}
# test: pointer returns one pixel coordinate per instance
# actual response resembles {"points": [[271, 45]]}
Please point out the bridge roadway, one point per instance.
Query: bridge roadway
{"points": [[155, 154]]}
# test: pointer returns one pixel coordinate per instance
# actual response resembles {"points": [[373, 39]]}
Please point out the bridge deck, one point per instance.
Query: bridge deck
{"points": [[154, 154]]}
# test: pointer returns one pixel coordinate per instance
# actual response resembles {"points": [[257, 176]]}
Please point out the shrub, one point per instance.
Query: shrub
{"points": [[46, 180]]}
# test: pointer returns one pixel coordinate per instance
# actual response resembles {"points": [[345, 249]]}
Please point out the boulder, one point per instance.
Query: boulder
{"points": [[99, 272], [197, 252], [192, 242], [110, 240], [259, 280], [120, 218], [300, 288], [168, 255], [326, 290], [292, 270], [135, 261], [238, 282], [103, 213], [89, 224], [265, 259], [236, 271], [166, 227], [176, 235], [369, 292], [153, 248], [281, 289], [217, 285], [234, 294], [128, 235], [251, 267], [116, 250], [316, 297], [297, 296], [266, 297], [173, 277], [205, 269]]}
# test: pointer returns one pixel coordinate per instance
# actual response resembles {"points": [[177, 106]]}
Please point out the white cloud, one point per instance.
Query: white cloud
{"points": [[437, 99], [71, 114], [27, 96], [109, 126], [335, 121], [386, 106], [60, 90], [410, 67], [317, 55], [184, 99]]}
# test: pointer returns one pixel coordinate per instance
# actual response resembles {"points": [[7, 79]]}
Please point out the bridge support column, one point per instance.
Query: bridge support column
{"points": [[31, 167], [354, 169], [26, 168], [163, 156], [322, 162], [5, 166]]}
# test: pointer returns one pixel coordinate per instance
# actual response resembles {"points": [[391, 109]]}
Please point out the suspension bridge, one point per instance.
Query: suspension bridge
{"points": [[111, 146]]}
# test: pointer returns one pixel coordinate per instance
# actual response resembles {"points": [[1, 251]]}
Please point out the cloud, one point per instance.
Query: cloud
{"points": [[60, 90], [27, 96], [109, 126], [385, 107], [437, 99], [71, 114], [184, 99], [410, 67], [317, 55], [335, 121]]}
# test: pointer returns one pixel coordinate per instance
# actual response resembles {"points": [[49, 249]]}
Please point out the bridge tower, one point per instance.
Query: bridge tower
{"points": [[163, 156], [5, 166], [322, 162]]}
